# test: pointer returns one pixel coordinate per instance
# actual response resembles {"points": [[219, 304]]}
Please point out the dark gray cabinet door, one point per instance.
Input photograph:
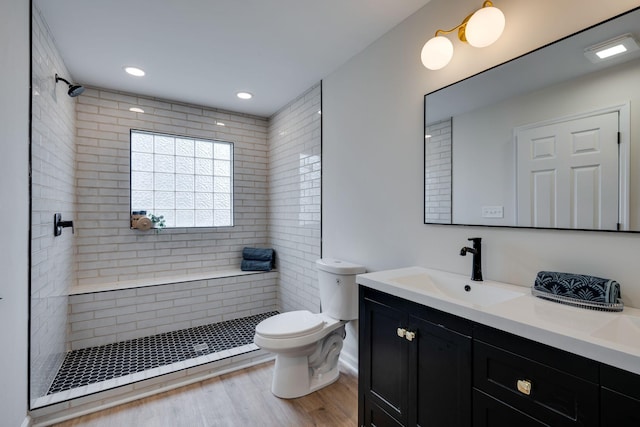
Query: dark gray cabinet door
{"points": [[440, 387], [383, 370], [413, 370]]}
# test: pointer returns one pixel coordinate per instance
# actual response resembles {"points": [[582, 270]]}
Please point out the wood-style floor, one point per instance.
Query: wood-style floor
{"points": [[241, 398]]}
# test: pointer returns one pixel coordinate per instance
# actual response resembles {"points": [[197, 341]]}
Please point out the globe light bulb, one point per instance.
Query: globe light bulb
{"points": [[437, 53], [485, 27]]}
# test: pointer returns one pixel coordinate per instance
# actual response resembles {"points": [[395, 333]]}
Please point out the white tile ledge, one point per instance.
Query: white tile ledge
{"points": [[568, 328], [163, 280]]}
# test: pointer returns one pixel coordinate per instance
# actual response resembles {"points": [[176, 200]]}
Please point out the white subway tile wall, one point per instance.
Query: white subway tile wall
{"points": [[53, 190], [101, 318], [437, 163], [108, 250], [294, 199]]}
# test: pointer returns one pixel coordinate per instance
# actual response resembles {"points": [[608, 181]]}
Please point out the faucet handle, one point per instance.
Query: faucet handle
{"points": [[476, 240]]}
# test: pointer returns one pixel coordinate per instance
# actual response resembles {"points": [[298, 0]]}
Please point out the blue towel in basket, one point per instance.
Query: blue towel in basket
{"points": [[578, 286]]}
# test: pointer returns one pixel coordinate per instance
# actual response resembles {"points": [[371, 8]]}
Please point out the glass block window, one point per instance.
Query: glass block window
{"points": [[189, 181]]}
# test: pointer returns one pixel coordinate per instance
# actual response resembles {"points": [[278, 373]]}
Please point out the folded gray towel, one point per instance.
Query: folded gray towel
{"points": [[258, 254], [578, 286], [255, 265]]}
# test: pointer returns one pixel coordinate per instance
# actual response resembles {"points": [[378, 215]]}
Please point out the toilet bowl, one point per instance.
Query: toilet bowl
{"points": [[307, 345]]}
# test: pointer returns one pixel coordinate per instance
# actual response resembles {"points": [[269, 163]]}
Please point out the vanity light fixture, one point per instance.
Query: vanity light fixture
{"points": [[244, 95], [480, 29], [608, 49], [134, 71]]}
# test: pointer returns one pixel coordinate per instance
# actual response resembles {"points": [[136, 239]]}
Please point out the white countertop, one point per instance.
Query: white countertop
{"points": [[609, 337]]}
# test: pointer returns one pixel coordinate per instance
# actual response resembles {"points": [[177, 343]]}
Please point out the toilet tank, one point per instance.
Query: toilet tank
{"points": [[338, 288]]}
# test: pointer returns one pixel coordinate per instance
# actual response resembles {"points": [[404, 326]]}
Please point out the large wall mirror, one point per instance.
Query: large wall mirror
{"points": [[548, 140]]}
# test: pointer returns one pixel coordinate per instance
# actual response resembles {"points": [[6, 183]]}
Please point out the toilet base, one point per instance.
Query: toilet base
{"points": [[305, 370], [292, 377]]}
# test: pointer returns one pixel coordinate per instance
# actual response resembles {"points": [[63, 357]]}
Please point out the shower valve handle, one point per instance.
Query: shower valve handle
{"points": [[59, 224]]}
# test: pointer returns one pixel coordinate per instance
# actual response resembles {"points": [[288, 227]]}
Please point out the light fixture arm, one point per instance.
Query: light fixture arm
{"points": [[462, 26]]}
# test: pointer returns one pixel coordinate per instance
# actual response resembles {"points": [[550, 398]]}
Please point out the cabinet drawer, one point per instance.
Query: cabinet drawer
{"points": [[619, 410], [623, 382], [561, 360], [554, 397], [489, 412]]}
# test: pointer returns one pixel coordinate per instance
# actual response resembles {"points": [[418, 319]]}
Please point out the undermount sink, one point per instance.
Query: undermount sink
{"points": [[456, 287], [622, 329]]}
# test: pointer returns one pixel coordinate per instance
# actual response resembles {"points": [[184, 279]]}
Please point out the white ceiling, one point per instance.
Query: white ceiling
{"points": [[204, 51]]}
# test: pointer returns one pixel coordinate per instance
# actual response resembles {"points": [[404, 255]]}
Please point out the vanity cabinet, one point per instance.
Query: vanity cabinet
{"points": [[415, 364], [423, 367]]}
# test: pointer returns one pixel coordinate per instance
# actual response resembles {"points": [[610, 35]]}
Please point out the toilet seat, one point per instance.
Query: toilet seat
{"points": [[291, 324]]}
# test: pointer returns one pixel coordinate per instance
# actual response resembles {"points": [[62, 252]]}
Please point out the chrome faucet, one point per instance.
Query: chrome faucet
{"points": [[476, 270]]}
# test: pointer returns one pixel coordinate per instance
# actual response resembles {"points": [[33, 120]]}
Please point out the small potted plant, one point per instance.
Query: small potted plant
{"points": [[158, 221]]}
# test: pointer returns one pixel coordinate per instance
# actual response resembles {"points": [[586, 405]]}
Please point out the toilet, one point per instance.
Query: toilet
{"points": [[308, 345]]}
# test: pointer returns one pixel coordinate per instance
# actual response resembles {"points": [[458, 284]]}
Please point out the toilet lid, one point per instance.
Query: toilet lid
{"points": [[290, 325]]}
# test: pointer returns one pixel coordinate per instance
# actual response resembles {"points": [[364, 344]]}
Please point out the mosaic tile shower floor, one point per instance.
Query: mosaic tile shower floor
{"points": [[92, 365]]}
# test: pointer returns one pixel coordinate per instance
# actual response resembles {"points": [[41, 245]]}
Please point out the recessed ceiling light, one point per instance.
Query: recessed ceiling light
{"points": [[244, 95], [220, 124], [136, 110], [610, 48], [135, 71], [614, 50]]}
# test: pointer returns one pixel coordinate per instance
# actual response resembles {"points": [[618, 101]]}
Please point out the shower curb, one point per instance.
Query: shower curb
{"points": [[63, 411]]}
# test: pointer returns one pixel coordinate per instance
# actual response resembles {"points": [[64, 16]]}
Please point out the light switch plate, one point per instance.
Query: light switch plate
{"points": [[493, 212]]}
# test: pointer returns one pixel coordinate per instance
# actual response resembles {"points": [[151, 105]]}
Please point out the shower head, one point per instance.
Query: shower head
{"points": [[74, 90]]}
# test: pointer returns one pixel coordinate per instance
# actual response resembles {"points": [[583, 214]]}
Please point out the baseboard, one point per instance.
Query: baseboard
{"points": [[349, 361], [26, 422]]}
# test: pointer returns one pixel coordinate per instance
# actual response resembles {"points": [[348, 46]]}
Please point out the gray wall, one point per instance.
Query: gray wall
{"points": [[14, 194], [373, 148]]}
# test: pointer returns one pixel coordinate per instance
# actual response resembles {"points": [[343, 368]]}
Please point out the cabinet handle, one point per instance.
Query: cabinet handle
{"points": [[410, 335], [524, 387], [401, 332]]}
